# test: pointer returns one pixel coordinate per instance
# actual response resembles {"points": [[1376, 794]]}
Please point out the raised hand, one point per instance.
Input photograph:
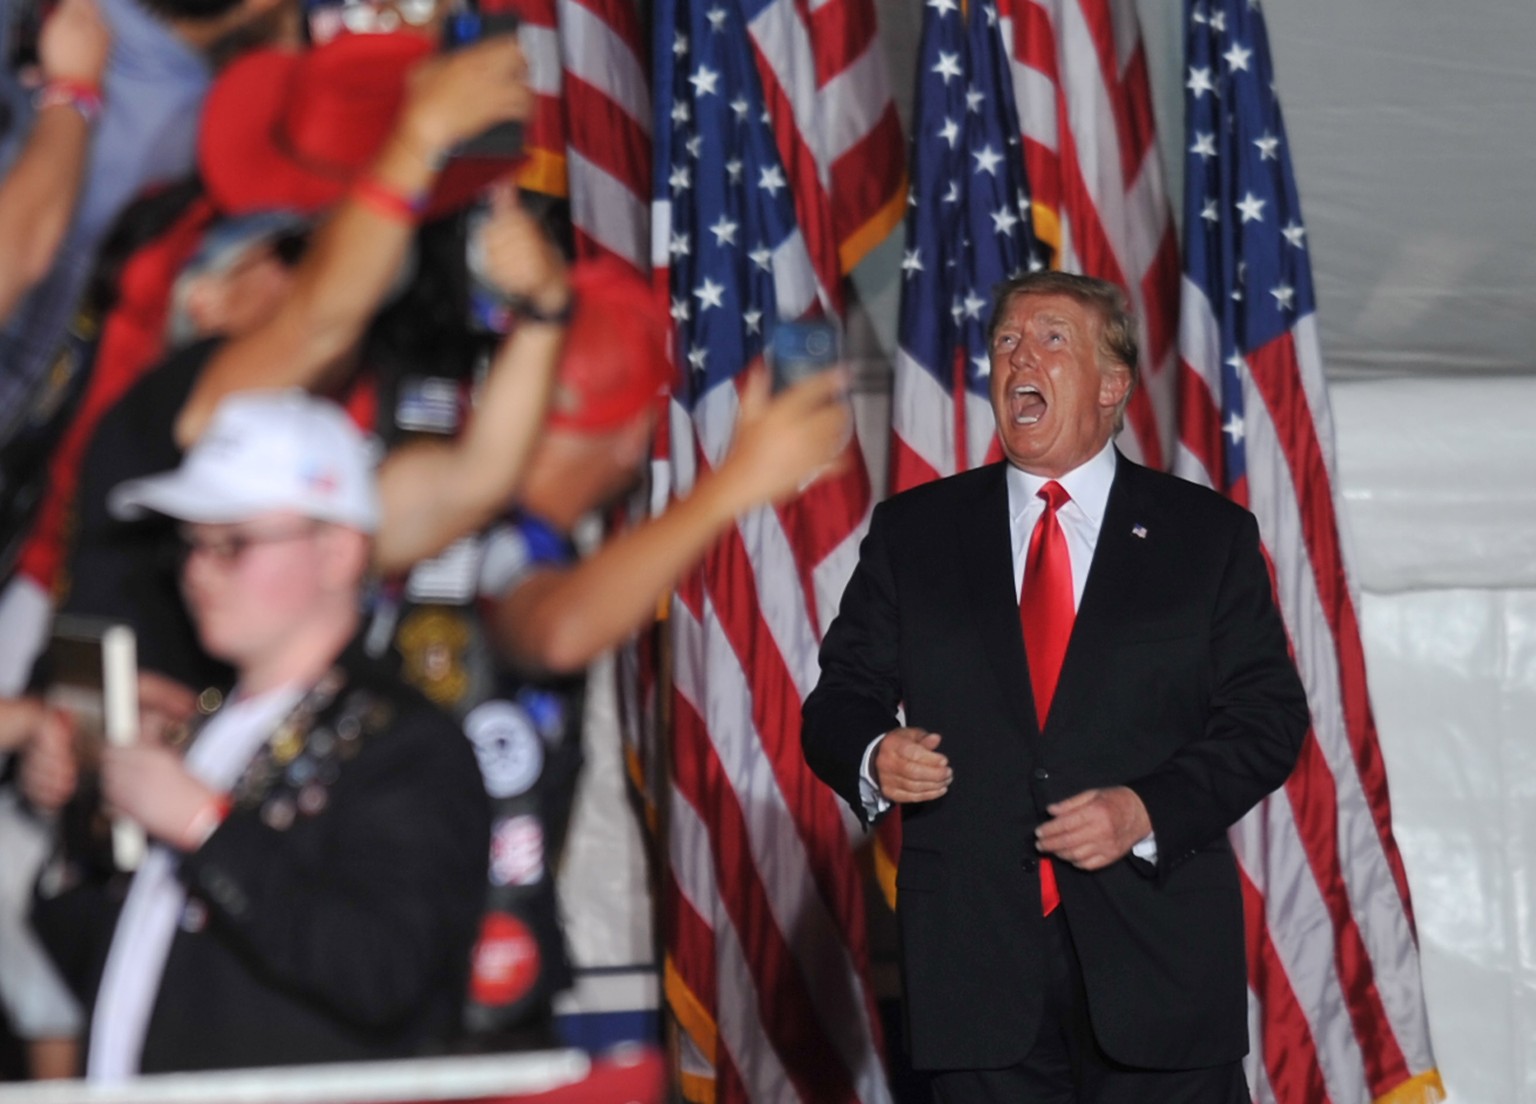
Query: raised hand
{"points": [[787, 441], [454, 97]]}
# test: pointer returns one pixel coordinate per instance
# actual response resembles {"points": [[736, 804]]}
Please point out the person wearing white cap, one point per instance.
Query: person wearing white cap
{"points": [[315, 883]]}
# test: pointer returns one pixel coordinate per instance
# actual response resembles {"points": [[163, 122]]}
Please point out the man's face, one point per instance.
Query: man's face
{"points": [[572, 472], [253, 585], [254, 290], [1053, 396]]}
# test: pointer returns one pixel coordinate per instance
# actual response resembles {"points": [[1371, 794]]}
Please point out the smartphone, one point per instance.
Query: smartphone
{"points": [[802, 348], [95, 678], [504, 140]]}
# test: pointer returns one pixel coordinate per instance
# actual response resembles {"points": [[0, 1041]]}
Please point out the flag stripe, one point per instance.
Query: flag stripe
{"points": [[791, 901], [607, 118], [600, 45], [1299, 444], [622, 152], [863, 172], [701, 783], [775, 643], [608, 216], [1368, 873], [1289, 1053]]}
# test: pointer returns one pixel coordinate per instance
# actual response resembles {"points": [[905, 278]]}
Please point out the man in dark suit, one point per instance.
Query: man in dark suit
{"points": [[317, 872], [1096, 685]]}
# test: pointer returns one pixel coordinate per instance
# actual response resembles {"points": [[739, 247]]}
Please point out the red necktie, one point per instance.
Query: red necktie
{"points": [[1046, 613]]}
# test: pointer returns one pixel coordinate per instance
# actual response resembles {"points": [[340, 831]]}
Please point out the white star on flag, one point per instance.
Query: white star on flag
{"points": [[704, 80], [724, 230], [1251, 207], [772, 179], [987, 160], [948, 66], [709, 294]]}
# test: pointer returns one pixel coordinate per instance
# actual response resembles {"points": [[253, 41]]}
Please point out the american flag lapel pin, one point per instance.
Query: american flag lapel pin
{"points": [[1139, 532]]}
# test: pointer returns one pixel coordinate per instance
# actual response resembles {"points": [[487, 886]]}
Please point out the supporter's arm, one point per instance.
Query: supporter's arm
{"points": [[434, 493], [560, 619], [37, 197], [356, 255]]}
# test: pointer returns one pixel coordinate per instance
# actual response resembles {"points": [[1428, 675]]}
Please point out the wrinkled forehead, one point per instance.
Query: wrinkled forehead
{"points": [[1029, 312], [1035, 309]]}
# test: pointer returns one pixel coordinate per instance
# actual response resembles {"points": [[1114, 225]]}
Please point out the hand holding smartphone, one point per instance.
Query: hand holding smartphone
{"points": [[95, 680], [504, 140]]}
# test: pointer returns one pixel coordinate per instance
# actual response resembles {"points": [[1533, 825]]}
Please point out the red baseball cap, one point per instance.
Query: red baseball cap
{"points": [[615, 361], [294, 129]]}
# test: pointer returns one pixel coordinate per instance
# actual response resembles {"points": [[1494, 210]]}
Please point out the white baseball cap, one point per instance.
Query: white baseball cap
{"points": [[265, 451]]}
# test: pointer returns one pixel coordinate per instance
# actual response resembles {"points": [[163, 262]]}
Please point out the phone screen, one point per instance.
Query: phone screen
{"points": [[802, 348]]}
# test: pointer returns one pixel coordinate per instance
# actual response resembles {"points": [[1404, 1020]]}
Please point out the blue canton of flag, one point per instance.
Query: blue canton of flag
{"points": [[1244, 243], [732, 210], [968, 229]]}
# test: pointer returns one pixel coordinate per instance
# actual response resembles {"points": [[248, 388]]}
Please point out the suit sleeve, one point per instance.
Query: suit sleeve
{"points": [[394, 907], [856, 697], [1255, 723]]}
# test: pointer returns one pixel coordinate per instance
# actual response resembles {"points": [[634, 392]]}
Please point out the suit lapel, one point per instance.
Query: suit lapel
{"points": [[1116, 576], [986, 559]]}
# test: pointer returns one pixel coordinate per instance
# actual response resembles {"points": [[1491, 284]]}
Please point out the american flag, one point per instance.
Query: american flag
{"points": [[608, 128], [1336, 1005], [968, 229], [1090, 145], [590, 137], [773, 174]]}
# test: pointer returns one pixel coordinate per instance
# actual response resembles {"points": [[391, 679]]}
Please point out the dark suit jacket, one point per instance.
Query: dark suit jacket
{"points": [[345, 934], [1177, 683]]}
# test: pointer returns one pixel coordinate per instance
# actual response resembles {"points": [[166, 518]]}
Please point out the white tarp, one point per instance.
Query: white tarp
{"points": [[1440, 501]]}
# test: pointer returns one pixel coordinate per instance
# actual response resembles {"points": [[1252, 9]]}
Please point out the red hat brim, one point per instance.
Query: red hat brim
{"points": [[248, 166]]}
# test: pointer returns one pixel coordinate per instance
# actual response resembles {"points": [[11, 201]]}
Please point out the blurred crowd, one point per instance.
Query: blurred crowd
{"points": [[296, 385]]}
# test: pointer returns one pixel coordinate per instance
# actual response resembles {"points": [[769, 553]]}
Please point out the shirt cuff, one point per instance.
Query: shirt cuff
{"points": [[1146, 848], [869, 792]]}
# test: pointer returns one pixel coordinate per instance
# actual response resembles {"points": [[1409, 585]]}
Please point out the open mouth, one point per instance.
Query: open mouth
{"points": [[1026, 405]]}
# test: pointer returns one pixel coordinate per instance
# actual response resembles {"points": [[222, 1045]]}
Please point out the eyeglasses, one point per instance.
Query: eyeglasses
{"points": [[228, 547]]}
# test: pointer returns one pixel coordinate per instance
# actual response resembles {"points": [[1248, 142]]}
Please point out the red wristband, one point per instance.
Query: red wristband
{"points": [[389, 202], [65, 92], [205, 821]]}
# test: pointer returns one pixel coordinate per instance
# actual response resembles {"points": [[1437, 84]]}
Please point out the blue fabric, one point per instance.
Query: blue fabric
{"points": [[546, 546], [147, 134]]}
